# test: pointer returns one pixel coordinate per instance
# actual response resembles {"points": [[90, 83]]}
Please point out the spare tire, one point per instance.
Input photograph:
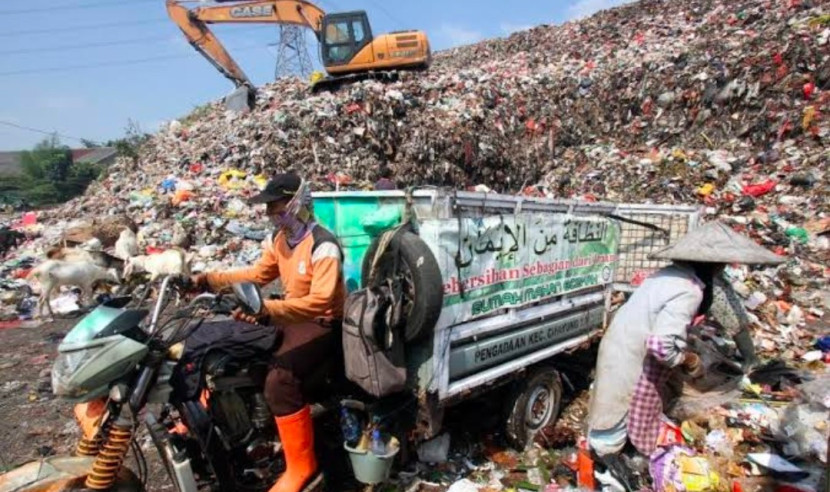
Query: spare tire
{"points": [[423, 284]]}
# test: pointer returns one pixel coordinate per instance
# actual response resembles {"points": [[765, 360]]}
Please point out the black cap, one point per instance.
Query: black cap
{"points": [[282, 187]]}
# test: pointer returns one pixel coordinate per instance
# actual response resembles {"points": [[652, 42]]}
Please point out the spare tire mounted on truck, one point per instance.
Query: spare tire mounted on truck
{"points": [[408, 260]]}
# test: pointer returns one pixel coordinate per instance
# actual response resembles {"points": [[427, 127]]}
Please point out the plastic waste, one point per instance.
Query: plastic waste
{"points": [[706, 189], [585, 466], [168, 185], [759, 189], [65, 303], [808, 90], [799, 234], [799, 432], [719, 442], [773, 462], [236, 228], [235, 207], [232, 178], [377, 446], [350, 425], [182, 196], [755, 300], [463, 485], [678, 468], [435, 450]]}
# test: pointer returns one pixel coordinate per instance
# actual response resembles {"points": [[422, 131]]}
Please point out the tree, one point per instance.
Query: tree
{"points": [[49, 175], [90, 144], [133, 139], [48, 160]]}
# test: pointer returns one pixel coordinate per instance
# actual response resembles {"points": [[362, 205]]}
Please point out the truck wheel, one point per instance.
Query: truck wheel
{"points": [[421, 276], [533, 405]]}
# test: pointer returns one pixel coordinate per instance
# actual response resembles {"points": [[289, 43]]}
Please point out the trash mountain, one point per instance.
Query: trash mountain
{"points": [[653, 100]]}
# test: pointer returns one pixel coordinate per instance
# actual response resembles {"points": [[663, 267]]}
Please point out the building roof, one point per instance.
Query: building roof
{"points": [[10, 161], [94, 156]]}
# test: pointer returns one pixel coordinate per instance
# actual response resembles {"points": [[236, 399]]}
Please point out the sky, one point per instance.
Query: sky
{"points": [[85, 68]]}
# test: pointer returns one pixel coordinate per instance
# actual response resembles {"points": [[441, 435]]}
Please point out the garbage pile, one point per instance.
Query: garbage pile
{"points": [[711, 102]]}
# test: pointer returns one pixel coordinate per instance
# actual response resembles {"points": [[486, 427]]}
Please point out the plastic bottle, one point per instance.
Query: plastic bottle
{"points": [[378, 447], [350, 426]]}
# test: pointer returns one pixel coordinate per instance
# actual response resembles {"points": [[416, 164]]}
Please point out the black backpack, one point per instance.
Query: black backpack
{"points": [[373, 344]]}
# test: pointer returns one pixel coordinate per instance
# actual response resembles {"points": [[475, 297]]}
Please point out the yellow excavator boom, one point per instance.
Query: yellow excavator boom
{"points": [[194, 25]]}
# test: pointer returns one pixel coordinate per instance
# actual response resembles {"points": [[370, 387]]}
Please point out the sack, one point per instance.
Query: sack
{"points": [[372, 351]]}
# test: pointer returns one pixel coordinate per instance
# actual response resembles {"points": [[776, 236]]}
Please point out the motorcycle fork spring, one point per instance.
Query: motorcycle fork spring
{"points": [[110, 458], [88, 447]]}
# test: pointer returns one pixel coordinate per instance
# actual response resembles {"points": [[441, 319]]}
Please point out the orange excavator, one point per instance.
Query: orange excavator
{"points": [[348, 48]]}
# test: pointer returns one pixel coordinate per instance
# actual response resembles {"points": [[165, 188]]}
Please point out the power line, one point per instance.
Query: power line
{"points": [[100, 44], [88, 66], [80, 6], [84, 27], [393, 18], [30, 129], [84, 45]]}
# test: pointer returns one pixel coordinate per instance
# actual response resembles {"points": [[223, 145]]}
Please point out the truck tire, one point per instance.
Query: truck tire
{"points": [[423, 284], [532, 405]]}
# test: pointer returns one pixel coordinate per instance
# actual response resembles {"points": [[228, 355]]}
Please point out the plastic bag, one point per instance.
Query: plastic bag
{"points": [[798, 430], [232, 178], [759, 189], [182, 196], [677, 469]]}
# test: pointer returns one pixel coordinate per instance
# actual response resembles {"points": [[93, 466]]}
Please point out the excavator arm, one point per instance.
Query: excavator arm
{"points": [[194, 25]]}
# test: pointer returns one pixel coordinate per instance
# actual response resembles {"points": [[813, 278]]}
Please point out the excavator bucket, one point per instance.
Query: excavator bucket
{"points": [[241, 100]]}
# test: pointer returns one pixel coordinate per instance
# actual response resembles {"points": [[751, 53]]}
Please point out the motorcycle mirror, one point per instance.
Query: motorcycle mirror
{"points": [[249, 296]]}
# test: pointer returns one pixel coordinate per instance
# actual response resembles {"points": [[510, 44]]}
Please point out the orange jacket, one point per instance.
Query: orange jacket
{"points": [[311, 277]]}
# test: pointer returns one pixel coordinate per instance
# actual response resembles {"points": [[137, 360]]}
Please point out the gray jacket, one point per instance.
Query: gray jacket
{"points": [[664, 305]]}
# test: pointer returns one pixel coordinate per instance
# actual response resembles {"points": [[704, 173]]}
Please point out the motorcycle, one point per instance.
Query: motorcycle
{"points": [[117, 367]]}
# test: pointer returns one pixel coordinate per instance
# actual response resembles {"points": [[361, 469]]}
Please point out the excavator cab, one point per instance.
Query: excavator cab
{"points": [[344, 35]]}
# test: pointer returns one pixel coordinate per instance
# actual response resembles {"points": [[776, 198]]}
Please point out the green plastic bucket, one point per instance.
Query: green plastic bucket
{"points": [[368, 468]]}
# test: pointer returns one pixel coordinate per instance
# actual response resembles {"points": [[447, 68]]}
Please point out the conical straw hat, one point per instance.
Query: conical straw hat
{"points": [[715, 242]]}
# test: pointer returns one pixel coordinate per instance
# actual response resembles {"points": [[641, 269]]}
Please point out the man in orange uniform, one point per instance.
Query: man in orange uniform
{"points": [[307, 259]]}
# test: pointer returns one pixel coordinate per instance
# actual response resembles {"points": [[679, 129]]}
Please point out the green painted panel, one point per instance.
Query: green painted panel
{"points": [[356, 221]]}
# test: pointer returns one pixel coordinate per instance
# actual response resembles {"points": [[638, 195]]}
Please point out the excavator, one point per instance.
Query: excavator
{"points": [[348, 49]]}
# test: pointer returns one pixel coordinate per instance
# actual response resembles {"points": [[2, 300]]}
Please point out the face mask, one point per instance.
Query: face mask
{"points": [[284, 220], [275, 221]]}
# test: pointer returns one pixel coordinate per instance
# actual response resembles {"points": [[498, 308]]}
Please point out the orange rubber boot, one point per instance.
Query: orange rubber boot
{"points": [[297, 436]]}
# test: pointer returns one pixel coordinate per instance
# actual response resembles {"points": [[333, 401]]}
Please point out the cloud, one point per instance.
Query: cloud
{"points": [[63, 103], [508, 28], [584, 8], [459, 35]]}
